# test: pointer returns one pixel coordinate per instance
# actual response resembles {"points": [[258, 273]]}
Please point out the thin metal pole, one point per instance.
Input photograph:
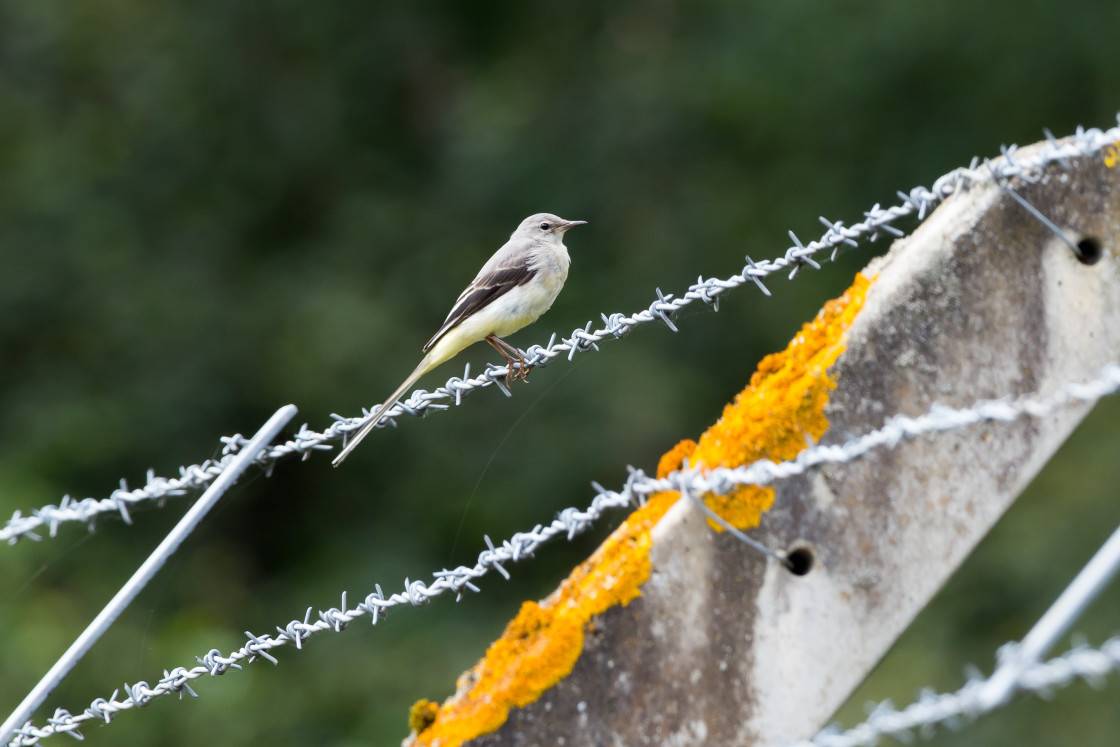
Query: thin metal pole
{"points": [[1067, 608], [145, 572]]}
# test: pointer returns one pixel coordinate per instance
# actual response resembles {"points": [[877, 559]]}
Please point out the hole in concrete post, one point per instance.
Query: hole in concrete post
{"points": [[800, 559], [1089, 250]]}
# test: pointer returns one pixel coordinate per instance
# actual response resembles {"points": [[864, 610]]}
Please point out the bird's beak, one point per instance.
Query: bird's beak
{"points": [[570, 223]]}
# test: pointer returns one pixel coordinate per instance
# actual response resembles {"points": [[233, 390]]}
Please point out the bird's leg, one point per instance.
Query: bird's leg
{"points": [[505, 349], [495, 342]]}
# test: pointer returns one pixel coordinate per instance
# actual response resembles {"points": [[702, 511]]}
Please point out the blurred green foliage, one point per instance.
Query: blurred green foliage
{"points": [[210, 209]]}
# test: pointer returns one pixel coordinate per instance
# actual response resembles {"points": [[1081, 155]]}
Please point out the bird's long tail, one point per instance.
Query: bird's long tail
{"points": [[374, 418]]}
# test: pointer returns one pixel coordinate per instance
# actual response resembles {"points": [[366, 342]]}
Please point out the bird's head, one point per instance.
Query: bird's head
{"points": [[545, 227]]}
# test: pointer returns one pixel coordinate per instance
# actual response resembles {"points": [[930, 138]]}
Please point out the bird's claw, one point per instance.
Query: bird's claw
{"points": [[521, 372]]}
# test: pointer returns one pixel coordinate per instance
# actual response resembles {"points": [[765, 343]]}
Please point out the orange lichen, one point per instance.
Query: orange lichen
{"points": [[672, 459], [540, 646], [422, 714], [782, 408], [772, 417]]}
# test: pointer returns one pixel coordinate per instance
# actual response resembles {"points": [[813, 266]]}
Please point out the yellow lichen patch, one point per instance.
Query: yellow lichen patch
{"points": [[771, 418], [782, 408], [672, 459], [1112, 155], [422, 714], [540, 646]]}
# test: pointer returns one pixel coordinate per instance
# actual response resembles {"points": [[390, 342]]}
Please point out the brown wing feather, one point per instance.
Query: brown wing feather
{"points": [[483, 291]]}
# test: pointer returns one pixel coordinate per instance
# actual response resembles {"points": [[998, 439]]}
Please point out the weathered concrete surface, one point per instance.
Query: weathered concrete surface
{"points": [[724, 648]]}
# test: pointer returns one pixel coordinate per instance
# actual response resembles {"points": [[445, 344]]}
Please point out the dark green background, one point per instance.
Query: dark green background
{"points": [[211, 209]]}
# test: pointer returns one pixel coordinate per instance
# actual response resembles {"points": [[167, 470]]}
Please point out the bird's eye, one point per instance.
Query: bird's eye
{"points": [[545, 226]]}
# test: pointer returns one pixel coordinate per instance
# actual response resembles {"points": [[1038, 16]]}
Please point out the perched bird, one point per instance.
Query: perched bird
{"points": [[513, 288]]}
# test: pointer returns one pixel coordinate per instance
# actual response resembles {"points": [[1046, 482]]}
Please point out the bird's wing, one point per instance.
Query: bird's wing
{"points": [[491, 283]]}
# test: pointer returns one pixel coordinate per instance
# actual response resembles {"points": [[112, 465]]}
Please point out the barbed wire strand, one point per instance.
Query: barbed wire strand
{"points": [[877, 221], [145, 573], [569, 523]]}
